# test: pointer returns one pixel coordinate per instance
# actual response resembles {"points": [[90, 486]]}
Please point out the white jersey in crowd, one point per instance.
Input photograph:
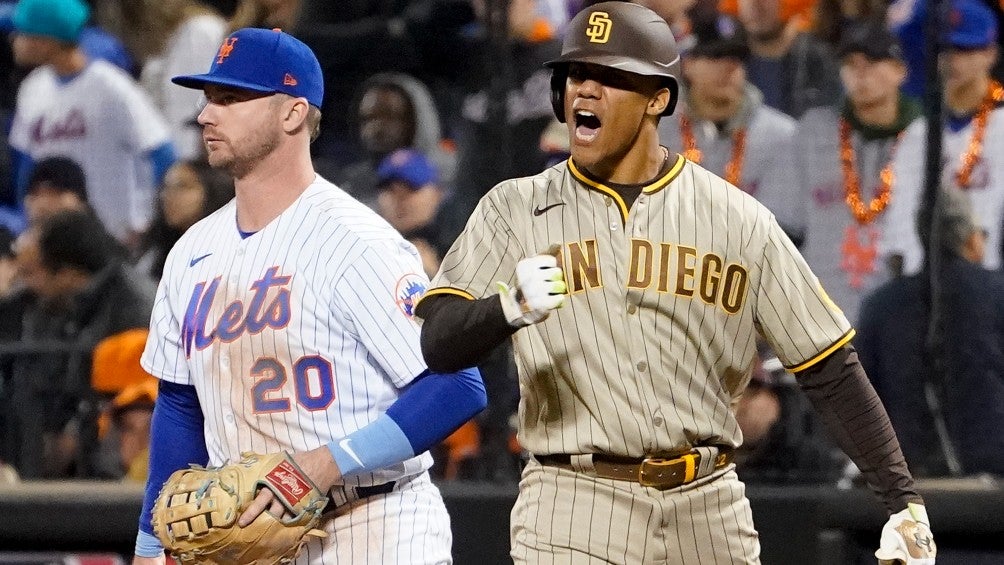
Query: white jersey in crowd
{"points": [[763, 158], [986, 189], [296, 336], [186, 53], [843, 253], [105, 122]]}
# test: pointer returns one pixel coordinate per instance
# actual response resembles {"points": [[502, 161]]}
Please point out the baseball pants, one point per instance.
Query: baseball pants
{"points": [[564, 517]]}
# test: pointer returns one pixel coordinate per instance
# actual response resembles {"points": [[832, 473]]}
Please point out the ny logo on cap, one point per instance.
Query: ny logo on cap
{"points": [[599, 27], [225, 49]]}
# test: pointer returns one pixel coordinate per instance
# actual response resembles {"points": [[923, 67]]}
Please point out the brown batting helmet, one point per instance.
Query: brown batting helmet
{"points": [[620, 35]]}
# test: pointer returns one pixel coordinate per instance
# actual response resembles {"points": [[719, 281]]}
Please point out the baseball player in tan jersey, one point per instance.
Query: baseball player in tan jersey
{"points": [[634, 334]]}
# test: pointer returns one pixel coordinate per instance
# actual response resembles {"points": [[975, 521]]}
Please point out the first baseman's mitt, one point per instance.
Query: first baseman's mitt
{"points": [[195, 515]]}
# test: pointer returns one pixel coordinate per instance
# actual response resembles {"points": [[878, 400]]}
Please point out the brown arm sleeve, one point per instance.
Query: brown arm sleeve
{"points": [[458, 333], [852, 412]]}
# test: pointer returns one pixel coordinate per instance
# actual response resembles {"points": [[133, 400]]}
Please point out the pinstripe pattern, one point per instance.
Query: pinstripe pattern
{"points": [[708, 521], [366, 534], [677, 361], [653, 345], [341, 268]]}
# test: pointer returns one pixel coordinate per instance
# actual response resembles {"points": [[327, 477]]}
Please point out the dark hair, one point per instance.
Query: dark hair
{"points": [[62, 174], [75, 239], [218, 188]]}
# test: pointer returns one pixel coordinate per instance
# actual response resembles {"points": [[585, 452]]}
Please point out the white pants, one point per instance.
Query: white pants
{"points": [[407, 526]]}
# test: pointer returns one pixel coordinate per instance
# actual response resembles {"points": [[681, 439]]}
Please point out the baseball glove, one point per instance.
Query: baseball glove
{"points": [[195, 515]]}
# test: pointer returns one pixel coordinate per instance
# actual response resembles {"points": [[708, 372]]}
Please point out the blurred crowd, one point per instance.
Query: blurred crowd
{"points": [[812, 106]]}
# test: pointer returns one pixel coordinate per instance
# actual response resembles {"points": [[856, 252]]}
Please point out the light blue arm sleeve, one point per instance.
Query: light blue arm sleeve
{"points": [[432, 407]]}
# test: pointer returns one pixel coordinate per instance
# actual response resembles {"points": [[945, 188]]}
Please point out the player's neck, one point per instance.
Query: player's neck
{"points": [[271, 187], [636, 167]]}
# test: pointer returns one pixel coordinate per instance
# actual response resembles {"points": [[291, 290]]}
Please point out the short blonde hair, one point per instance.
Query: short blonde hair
{"points": [[313, 121]]}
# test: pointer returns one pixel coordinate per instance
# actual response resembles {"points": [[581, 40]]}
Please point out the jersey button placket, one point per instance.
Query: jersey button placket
{"points": [[238, 258]]}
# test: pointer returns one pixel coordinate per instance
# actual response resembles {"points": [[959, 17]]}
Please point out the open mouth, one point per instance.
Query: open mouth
{"points": [[587, 125]]}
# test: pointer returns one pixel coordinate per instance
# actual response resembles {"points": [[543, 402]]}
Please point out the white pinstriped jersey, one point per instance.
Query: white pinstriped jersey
{"points": [[295, 336], [657, 336]]}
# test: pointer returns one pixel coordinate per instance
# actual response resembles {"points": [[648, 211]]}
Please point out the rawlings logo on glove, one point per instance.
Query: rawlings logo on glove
{"points": [[907, 539], [195, 515]]}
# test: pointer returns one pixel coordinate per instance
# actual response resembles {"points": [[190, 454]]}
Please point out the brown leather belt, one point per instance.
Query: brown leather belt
{"points": [[656, 472]]}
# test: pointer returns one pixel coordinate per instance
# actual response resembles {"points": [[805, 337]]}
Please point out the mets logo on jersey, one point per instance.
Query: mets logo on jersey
{"points": [[408, 290]]}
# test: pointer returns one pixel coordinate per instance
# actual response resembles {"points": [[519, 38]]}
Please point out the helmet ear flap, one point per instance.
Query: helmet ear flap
{"points": [[558, 77]]}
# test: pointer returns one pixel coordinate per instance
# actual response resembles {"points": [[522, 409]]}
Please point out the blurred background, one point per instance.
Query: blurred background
{"points": [[818, 108]]}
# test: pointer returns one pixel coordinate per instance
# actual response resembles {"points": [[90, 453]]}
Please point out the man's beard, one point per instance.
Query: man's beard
{"points": [[239, 166]]}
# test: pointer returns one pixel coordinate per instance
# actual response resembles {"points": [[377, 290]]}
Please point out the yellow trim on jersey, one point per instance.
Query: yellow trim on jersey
{"points": [[597, 186], [443, 290], [654, 186], [670, 175], [825, 353]]}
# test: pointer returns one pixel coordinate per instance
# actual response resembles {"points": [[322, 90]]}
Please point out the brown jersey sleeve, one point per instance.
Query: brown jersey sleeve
{"points": [[845, 399], [458, 333]]}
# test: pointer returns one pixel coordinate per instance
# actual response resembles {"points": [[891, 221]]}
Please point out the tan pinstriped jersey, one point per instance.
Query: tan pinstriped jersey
{"points": [[657, 337]]}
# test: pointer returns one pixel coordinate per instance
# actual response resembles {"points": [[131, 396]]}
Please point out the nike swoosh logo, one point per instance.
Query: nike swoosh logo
{"points": [[197, 259], [344, 444], [538, 210]]}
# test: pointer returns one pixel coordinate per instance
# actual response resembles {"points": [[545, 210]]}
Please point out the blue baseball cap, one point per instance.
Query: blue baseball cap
{"points": [[407, 165], [58, 19], [973, 25], [266, 61]]}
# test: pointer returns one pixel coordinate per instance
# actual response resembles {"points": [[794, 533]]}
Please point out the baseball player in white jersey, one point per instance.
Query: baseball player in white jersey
{"points": [[634, 331], [284, 323], [89, 111]]}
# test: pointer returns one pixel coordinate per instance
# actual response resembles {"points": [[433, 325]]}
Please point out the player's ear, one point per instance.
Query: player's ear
{"points": [[658, 102], [294, 114]]}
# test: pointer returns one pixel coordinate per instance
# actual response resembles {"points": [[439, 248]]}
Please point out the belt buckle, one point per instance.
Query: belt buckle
{"points": [[661, 473]]}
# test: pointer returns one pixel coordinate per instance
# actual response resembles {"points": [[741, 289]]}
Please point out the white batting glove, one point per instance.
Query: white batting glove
{"points": [[540, 288], [907, 539]]}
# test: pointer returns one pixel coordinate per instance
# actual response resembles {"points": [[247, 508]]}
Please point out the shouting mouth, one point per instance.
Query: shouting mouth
{"points": [[587, 126]]}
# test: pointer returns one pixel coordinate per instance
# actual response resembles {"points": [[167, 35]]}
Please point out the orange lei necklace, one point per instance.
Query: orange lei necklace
{"points": [[864, 213], [734, 168], [995, 95]]}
